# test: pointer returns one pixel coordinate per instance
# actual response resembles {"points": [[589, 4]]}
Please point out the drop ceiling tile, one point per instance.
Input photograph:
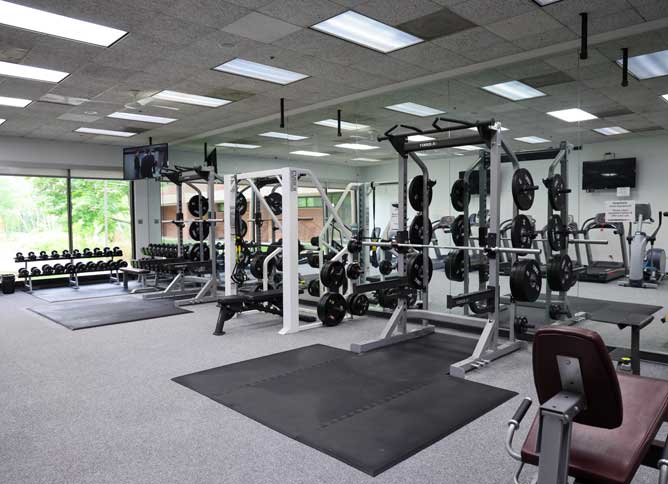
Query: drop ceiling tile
{"points": [[530, 23], [545, 38], [262, 28], [24, 89], [9, 53], [484, 12], [496, 50], [437, 24], [568, 12], [390, 68], [252, 4], [650, 9], [617, 20], [571, 60], [117, 14], [302, 12], [78, 118], [395, 12], [213, 13], [176, 31], [430, 56]]}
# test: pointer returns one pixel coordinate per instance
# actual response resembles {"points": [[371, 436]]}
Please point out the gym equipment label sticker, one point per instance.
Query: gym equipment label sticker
{"points": [[620, 211]]}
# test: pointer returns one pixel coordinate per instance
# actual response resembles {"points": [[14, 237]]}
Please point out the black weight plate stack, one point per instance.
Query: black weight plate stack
{"points": [[275, 202], [194, 205], [414, 269], [526, 280], [242, 204], [460, 195], [560, 275], [522, 232], [556, 192], [458, 230], [333, 274], [197, 231], [523, 189], [331, 308], [358, 304], [415, 193], [556, 233], [416, 230], [314, 288], [454, 265]]}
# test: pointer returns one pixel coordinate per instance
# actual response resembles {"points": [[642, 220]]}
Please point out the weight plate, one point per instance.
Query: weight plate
{"points": [[242, 204], [197, 231], [332, 274], [358, 304], [242, 229], [479, 307], [415, 197], [257, 265], [523, 189], [556, 234], [275, 202], [460, 195], [331, 308], [194, 205], [454, 265], [195, 252], [414, 269], [416, 230], [522, 232], [457, 230], [526, 280], [385, 267], [353, 271], [556, 192], [314, 288], [560, 275]]}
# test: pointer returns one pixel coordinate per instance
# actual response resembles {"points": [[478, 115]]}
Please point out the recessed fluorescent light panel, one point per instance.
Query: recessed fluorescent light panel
{"points": [[514, 90], [182, 97], [364, 159], [366, 31], [476, 129], [468, 148], [572, 115], [30, 72], [345, 126], [415, 109], [612, 130], [105, 132], [67, 100], [356, 146], [419, 137], [14, 102], [2, 121], [263, 72], [57, 25], [315, 154], [142, 117], [542, 3], [532, 139], [238, 145], [289, 137], [648, 65], [665, 97]]}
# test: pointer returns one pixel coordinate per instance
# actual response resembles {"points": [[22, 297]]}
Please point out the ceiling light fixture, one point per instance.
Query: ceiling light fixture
{"points": [[29, 72], [66, 100], [290, 137], [476, 129], [365, 31], [105, 132], [532, 139], [254, 70], [542, 3], [14, 102], [356, 146], [182, 97], [238, 145], [142, 117], [346, 126], [364, 159], [415, 109], [647, 66], [315, 154], [2, 120], [612, 130], [514, 90], [57, 25], [572, 115]]}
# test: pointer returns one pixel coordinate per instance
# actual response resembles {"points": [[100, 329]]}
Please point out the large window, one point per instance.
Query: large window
{"points": [[101, 215]]}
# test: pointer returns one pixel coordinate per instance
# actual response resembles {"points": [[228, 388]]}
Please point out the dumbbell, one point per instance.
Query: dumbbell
{"points": [[385, 267], [80, 267], [76, 253], [32, 256], [100, 265], [90, 266], [20, 257], [122, 263], [113, 265], [97, 252], [69, 267], [23, 272], [117, 251], [55, 254], [34, 271], [43, 255], [109, 264], [58, 269], [47, 270], [87, 252], [66, 254], [107, 252]]}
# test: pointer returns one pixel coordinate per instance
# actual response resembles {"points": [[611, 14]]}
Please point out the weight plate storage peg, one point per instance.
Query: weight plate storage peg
{"points": [[556, 192], [454, 265], [523, 189], [414, 268], [526, 280], [458, 230], [331, 308], [556, 233], [415, 197], [522, 232], [358, 304], [460, 195], [198, 231], [416, 230], [560, 275], [332, 274], [194, 205]]}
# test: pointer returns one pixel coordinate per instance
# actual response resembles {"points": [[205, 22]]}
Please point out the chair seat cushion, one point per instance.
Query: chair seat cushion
{"points": [[613, 456]]}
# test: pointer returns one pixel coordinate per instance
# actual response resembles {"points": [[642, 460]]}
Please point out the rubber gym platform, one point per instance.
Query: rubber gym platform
{"points": [[111, 310], [370, 411]]}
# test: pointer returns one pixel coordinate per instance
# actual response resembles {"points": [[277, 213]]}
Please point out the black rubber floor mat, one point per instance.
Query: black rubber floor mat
{"points": [[102, 312], [370, 411], [87, 291]]}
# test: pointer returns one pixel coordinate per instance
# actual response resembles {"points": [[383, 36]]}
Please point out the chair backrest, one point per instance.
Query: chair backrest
{"points": [[599, 378]]}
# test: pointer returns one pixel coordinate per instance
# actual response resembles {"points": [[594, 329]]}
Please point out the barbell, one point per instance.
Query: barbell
{"points": [[355, 246]]}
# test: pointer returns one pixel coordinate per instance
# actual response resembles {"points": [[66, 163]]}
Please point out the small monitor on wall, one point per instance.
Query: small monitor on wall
{"points": [[144, 161], [609, 174]]}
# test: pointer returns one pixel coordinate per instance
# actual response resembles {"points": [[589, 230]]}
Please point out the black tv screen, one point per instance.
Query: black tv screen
{"points": [[612, 173], [474, 181], [144, 161]]}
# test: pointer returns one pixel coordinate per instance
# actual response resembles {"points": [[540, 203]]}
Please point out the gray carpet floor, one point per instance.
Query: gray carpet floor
{"points": [[99, 407]]}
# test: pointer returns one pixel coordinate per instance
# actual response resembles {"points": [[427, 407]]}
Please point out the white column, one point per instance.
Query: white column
{"points": [[229, 200], [290, 252]]}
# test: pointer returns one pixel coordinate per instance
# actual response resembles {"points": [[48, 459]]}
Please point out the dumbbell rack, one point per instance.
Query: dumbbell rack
{"points": [[73, 276]]}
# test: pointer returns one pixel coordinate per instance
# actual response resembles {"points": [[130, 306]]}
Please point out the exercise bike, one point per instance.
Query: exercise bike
{"points": [[647, 267]]}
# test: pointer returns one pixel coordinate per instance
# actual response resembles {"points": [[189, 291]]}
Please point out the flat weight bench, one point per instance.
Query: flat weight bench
{"points": [[140, 273], [264, 301], [593, 424]]}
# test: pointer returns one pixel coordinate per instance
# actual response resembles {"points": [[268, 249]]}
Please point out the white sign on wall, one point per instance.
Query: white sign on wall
{"points": [[620, 211], [623, 191]]}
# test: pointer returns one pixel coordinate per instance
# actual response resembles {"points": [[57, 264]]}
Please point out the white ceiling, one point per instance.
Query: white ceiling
{"points": [[174, 44]]}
